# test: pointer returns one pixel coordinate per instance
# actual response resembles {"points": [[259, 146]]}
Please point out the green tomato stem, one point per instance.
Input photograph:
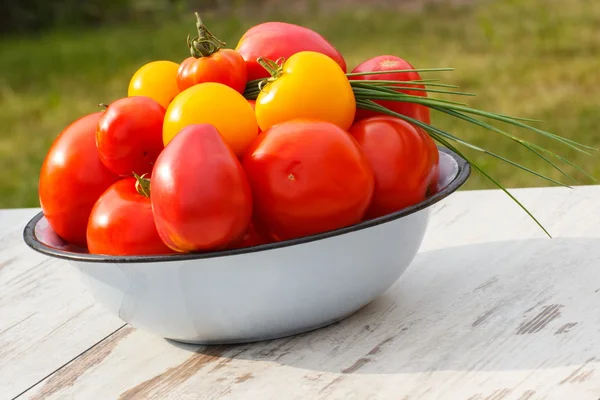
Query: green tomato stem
{"points": [[142, 185], [205, 44], [274, 68]]}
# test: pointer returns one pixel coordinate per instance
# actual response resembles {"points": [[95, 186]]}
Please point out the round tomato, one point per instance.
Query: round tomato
{"points": [[129, 136], [404, 160], [387, 63], [215, 104], [72, 178], [200, 194], [225, 66], [274, 40], [307, 177], [309, 85], [122, 224], [157, 80]]}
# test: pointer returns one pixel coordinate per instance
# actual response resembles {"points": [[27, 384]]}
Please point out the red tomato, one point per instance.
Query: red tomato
{"points": [[307, 177], [210, 62], [226, 66], [121, 223], [274, 40], [404, 159], [129, 136], [72, 178], [386, 63], [200, 194]]}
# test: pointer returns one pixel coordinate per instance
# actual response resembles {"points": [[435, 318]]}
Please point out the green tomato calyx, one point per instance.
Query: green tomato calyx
{"points": [[205, 44]]}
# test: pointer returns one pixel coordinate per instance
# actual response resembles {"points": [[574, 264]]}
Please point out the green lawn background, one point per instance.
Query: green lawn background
{"points": [[533, 58]]}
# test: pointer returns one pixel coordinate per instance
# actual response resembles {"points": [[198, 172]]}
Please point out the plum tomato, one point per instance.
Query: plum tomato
{"points": [[129, 135], [274, 40], [122, 224], [200, 194], [404, 159], [387, 63], [215, 104], [307, 177], [157, 80], [72, 178]]}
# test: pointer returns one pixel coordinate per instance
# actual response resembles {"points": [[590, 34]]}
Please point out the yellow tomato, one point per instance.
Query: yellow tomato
{"points": [[215, 104], [309, 85], [157, 80]]}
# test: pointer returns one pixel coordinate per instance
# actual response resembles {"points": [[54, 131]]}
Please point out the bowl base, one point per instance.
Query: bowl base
{"points": [[266, 338]]}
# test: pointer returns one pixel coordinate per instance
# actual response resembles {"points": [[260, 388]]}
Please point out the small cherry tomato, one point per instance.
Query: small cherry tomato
{"points": [[122, 224], [387, 63], [129, 136], [307, 177], [210, 62], [157, 80], [200, 194], [72, 178], [274, 40], [309, 85], [217, 105], [404, 160]]}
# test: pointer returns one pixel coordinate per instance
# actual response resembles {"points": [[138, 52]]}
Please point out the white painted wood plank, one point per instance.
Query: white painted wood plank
{"points": [[46, 316], [491, 309]]}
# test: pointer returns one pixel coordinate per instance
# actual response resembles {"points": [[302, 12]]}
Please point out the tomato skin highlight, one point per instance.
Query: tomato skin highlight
{"points": [[307, 177], [226, 66], [129, 135], [215, 104], [404, 159], [121, 223], [311, 86], [386, 63], [157, 80], [72, 178], [274, 40], [200, 194]]}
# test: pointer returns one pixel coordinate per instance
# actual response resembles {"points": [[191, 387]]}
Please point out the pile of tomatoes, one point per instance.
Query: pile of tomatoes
{"points": [[187, 162]]}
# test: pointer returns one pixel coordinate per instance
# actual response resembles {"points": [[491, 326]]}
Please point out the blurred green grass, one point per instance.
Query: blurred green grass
{"points": [[533, 58]]}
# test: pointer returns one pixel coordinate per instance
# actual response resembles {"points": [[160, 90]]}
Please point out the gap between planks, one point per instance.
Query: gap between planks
{"points": [[69, 362]]}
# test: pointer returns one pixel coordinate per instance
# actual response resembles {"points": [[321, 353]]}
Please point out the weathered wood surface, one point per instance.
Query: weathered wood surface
{"points": [[46, 316], [491, 309]]}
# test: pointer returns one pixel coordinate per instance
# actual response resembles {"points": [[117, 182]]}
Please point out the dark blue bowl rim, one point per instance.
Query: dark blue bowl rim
{"points": [[464, 171]]}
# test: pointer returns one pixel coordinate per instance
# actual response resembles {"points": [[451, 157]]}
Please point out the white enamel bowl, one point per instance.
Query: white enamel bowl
{"points": [[258, 293]]}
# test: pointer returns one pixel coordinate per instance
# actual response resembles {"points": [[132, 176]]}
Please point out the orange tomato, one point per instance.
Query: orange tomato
{"points": [[215, 104], [309, 85], [157, 80]]}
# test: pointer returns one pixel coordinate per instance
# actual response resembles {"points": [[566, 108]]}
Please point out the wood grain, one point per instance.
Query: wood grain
{"points": [[46, 316], [491, 309]]}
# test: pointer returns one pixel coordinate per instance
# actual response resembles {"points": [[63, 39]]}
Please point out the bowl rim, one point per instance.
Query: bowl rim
{"points": [[464, 171]]}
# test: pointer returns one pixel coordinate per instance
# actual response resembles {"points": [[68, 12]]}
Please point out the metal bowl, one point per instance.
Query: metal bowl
{"points": [[258, 293]]}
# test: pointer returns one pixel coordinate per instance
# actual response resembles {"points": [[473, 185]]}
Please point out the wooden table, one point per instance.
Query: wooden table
{"points": [[491, 309]]}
